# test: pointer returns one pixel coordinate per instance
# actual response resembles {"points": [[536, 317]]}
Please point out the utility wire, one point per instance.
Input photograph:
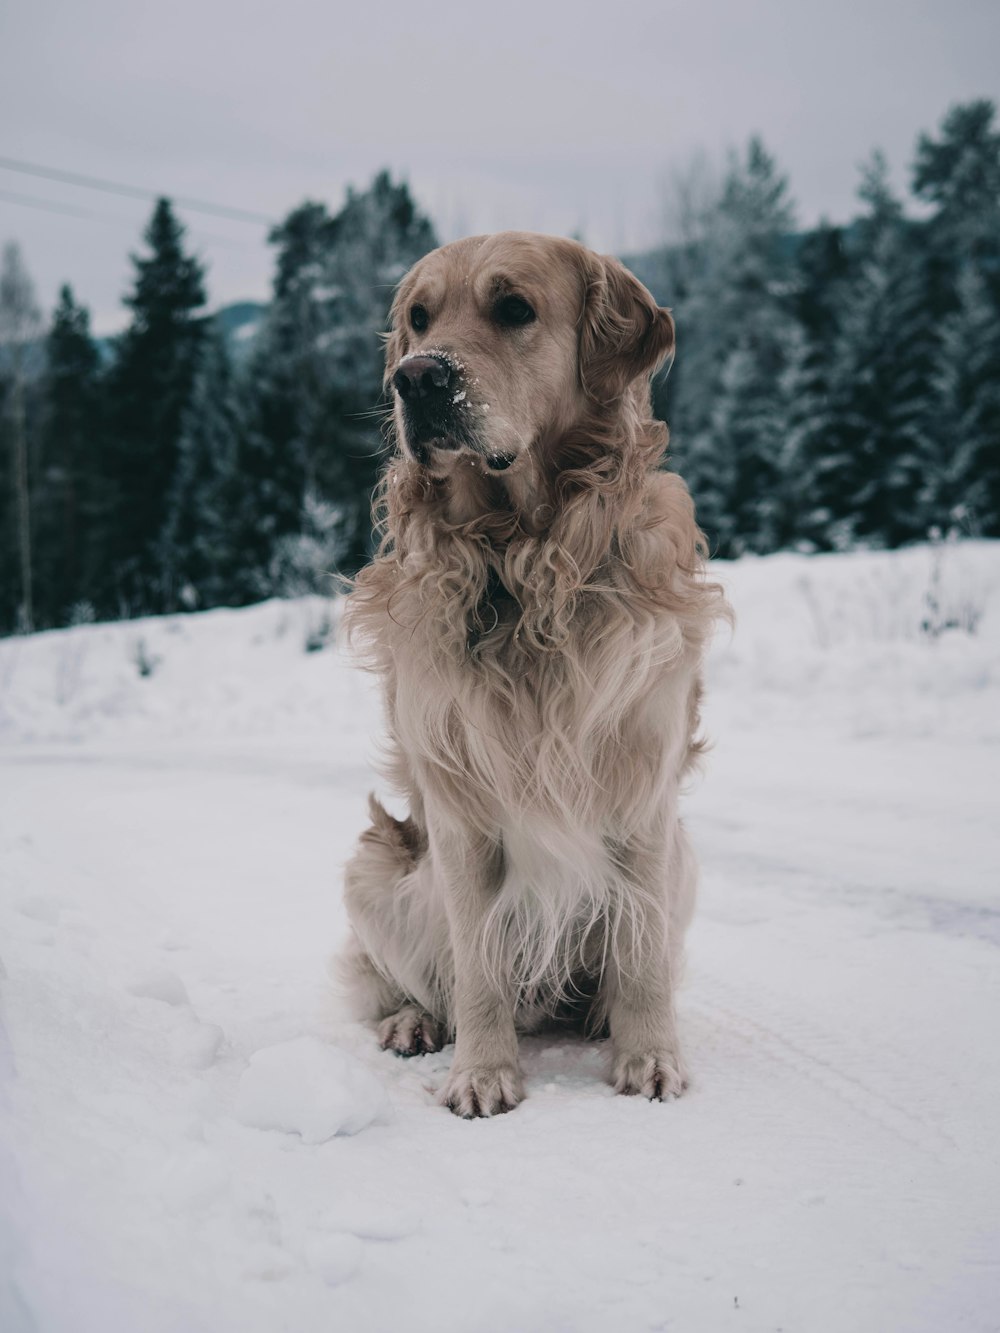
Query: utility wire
{"points": [[32, 201], [67, 210], [131, 191]]}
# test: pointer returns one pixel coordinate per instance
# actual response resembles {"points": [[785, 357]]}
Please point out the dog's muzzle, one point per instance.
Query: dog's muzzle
{"points": [[426, 385], [436, 411]]}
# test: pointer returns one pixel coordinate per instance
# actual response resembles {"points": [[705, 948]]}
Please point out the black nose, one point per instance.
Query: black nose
{"points": [[422, 377]]}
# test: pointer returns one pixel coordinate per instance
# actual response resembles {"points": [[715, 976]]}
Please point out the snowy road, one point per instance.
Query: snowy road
{"points": [[169, 898]]}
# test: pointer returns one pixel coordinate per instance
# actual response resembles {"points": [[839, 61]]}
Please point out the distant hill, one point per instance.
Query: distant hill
{"points": [[239, 324]]}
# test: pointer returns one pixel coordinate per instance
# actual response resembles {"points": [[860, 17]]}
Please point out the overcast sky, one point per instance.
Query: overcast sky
{"points": [[563, 117]]}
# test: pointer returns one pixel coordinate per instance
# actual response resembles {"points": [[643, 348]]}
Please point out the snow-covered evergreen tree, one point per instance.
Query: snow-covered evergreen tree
{"points": [[287, 383], [962, 476], [870, 464], [317, 369], [73, 521], [151, 385], [807, 456], [802, 417], [378, 235], [959, 174], [735, 328], [20, 320], [307, 561], [209, 535]]}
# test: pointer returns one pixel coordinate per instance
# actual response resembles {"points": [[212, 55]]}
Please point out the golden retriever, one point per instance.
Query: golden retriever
{"points": [[537, 613]]}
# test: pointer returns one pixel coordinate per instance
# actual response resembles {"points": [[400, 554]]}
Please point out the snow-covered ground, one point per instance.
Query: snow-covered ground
{"points": [[196, 1139]]}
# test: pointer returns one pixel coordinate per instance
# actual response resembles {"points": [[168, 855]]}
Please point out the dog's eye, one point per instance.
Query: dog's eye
{"points": [[511, 312], [419, 318]]}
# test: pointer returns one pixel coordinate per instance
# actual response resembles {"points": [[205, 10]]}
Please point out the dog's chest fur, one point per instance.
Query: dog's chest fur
{"points": [[560, 757], [574, 736]]}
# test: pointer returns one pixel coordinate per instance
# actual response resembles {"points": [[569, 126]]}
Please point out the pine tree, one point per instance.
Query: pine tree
{"points": [[801, 417], [959, 173], [378, 235], [152, 382], [205, 536], [735, 330], [823, 269], [73, 522], [871, 469], [287, 379], [962, 480], [307, 561], [316, 375], [20, 320]]}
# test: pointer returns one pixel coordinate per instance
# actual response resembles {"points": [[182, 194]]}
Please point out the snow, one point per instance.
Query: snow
{"points": [[160, 985], [171, 848], [309, 1088], [335, 1258]]}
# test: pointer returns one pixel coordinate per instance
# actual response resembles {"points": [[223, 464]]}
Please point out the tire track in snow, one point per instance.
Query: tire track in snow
{"points": [[819, 1056]]}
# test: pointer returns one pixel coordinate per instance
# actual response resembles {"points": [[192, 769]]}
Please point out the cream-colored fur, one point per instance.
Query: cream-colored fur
{"points": [[538, 624]]}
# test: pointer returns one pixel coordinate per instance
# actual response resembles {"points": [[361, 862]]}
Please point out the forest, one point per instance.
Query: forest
{"points": [[833, 388]]}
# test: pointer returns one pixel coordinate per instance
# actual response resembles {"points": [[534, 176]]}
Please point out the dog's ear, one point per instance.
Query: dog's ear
{"points": [[624, 333]]}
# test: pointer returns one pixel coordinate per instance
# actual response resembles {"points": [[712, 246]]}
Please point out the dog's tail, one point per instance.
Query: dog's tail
{"points": [[387, 852], [400, 840]]}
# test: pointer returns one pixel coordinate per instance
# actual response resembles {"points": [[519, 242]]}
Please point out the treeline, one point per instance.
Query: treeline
{"points": [[842, 386], [176, 475], [831, 388]]}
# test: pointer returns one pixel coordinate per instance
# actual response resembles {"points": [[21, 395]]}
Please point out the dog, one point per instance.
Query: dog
{"points": [[537, 613]]}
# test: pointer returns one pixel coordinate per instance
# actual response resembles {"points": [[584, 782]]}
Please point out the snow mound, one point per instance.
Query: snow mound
{"points": [[161, 985], [335, 1258], [305, 1087], [372, 1220]]}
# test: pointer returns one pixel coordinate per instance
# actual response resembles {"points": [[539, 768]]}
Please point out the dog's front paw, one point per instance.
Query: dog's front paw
{"points": [[657, 1075], [410, 1032], [482, 1092]]}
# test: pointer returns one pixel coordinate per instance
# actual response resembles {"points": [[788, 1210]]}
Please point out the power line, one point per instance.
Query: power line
{"points": [[67, 210], [131, 191], [32, 201]]}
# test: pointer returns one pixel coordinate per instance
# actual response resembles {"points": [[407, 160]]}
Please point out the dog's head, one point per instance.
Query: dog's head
{"points": [[502, 343]]}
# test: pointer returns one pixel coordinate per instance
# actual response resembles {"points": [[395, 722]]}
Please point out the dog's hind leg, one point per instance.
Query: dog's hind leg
{"points": [[404, 1028], [370, 995], [388, 978], [410, 1031]]}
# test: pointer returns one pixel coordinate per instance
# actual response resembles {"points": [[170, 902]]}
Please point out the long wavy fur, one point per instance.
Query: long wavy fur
{"points": [[541, 671]]}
